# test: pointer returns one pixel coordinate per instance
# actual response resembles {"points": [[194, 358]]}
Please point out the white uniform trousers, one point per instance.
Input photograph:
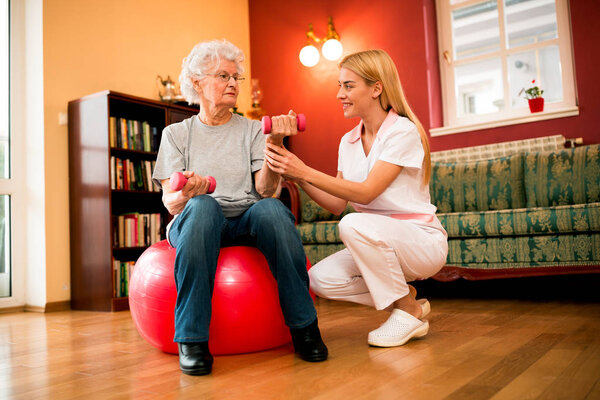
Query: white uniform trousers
{"points": [[382, 254]]}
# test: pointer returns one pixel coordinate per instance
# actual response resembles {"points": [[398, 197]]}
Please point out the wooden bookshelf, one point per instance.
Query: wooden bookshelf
{"points": [[94, 205]]}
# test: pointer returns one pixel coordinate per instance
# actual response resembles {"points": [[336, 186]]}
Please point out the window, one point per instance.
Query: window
{"points": [[491, 49], [22, 191], [5, 274]]}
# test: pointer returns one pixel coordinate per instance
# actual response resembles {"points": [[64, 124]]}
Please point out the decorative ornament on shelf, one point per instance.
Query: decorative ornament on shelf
{"points": [[534, 97], [332, 48], [167, 90], [256, 112]]}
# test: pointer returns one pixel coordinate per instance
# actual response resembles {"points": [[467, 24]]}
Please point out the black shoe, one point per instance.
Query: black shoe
{"points": [[308, 343], [195, 358]]}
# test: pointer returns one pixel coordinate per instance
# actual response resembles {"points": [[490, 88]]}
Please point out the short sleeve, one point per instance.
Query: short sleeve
{"points": [[257, 151], [402, 145], [340, 157], [170, 157]]}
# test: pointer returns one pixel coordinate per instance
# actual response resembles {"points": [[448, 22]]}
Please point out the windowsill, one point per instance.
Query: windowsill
{"points": [[522, 119]]}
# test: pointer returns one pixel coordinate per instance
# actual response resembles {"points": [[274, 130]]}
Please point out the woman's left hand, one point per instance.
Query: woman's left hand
{"points": [[283, 162]]}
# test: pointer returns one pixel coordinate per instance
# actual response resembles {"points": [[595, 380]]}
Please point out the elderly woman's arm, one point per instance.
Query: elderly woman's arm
{"points": [[175, 201], [265, 179]]}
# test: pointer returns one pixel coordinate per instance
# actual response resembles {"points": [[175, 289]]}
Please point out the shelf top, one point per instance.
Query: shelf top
{"points": [[129, 97]]}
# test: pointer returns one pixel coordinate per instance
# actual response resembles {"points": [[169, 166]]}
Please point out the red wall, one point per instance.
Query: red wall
{"points": [[406, 30]]}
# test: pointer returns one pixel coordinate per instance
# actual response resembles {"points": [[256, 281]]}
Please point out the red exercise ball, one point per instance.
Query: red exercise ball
{"points": [[246, 315]]}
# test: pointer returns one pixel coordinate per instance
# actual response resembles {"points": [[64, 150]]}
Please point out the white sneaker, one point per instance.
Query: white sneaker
{"points": [[398, 329]]}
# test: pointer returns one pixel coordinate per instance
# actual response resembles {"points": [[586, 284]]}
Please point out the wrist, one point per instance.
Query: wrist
{"points": [[275, 141]]}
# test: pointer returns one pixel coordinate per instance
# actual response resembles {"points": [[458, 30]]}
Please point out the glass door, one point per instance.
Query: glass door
{"points": [[5, 264]]}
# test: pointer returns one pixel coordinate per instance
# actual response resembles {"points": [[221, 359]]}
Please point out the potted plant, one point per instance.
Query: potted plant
{"points": [[534, 97]]}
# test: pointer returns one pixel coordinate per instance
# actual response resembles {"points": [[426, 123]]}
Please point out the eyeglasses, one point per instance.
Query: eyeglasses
{"points": [[225, 77]]}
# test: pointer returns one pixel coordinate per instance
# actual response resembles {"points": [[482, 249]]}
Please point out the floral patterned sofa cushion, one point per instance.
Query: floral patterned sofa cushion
{"points": [[523, 221], [319, 232], [317, 252], [570, 176], [310, 211], [478, 186], [525, 251]]}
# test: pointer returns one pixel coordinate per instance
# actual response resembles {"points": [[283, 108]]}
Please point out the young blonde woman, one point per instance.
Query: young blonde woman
{"points": [[383, 171]]}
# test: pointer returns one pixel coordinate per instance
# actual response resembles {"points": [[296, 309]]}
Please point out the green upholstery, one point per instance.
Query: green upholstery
{"points": [[525, 251], [317, 252], [478, 186], [319, 232], [312, 212], [523, 221], [570, 176]]}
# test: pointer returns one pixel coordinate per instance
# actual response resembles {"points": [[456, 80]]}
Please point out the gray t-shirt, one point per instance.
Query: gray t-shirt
{"points": [[230, 153]]}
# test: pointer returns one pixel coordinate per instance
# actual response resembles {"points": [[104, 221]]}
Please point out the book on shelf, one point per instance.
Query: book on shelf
{"points": [[146, 131], [136, 175], [112, 131], [155, 139], [132, 135], [136, 229], [122, 275]]}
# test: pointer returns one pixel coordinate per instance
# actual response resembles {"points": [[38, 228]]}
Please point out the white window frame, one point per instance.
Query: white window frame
{"points": [[26, 183], [454, 124], [6, 276]]}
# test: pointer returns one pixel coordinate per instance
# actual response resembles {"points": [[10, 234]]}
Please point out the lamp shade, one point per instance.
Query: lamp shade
{"points": [[332, 49], [309, 56]]}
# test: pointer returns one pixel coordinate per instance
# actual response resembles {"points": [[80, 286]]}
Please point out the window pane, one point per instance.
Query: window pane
{"points": [[4, 110], [541, 64], [479, 88], [475, 30], [529, 21], [4, 245], [4, 153]]}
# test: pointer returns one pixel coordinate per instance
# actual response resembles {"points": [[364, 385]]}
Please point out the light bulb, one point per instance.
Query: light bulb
{"points": [[332, 49], [309, 56]]}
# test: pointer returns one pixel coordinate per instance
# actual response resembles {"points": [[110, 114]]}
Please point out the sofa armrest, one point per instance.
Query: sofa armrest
{"points": [[291, 198]]}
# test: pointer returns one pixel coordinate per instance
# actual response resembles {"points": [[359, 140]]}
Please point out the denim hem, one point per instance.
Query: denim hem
{"points": [[303, 325], [190, 340]]}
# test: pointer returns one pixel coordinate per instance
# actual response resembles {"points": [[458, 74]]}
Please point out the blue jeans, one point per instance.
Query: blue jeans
{"points": [[198, 234]]}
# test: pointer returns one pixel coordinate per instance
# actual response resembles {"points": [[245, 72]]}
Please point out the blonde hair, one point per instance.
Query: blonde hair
{"points": [[377, 65]]}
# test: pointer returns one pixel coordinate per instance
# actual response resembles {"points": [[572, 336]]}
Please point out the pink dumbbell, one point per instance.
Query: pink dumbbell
{"points": [[266, 123], [178, 180]]}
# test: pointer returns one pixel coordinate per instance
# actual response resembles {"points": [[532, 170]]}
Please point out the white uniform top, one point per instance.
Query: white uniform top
{"points": [[397, 142]]}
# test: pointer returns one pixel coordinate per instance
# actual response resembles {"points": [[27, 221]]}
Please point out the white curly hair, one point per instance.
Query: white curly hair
{"points": [[204, 58]]}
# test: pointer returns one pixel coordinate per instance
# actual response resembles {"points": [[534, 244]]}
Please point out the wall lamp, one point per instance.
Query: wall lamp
{"points": [[332, 48]]}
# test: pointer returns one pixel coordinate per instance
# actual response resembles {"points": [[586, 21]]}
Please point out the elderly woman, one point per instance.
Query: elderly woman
{"points": [[229, 147]]}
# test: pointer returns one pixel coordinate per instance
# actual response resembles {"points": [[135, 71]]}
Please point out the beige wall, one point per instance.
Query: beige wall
{"points": [[121, 45]]}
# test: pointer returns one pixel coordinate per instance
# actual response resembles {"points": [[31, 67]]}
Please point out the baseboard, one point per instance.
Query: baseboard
{"points": [[16, 309], [50, 307], [58, 306]]}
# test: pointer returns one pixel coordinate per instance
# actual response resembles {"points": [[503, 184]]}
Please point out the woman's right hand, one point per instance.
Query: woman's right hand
{"points": [[196, 185], [175, 201]]}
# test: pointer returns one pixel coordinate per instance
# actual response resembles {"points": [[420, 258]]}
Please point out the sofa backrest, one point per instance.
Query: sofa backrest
{"points": [[310, 211], [569, 176], [478, 186]]}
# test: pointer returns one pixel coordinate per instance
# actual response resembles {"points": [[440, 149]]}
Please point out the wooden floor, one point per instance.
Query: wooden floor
{"points": [[476, 349]]}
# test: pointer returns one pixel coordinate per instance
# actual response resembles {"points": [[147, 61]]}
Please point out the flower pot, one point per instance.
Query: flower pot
{"points": [[536, 105]]}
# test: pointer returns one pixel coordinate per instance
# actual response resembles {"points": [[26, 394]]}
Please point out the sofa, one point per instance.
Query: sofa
{"points": [[527, 214]]}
